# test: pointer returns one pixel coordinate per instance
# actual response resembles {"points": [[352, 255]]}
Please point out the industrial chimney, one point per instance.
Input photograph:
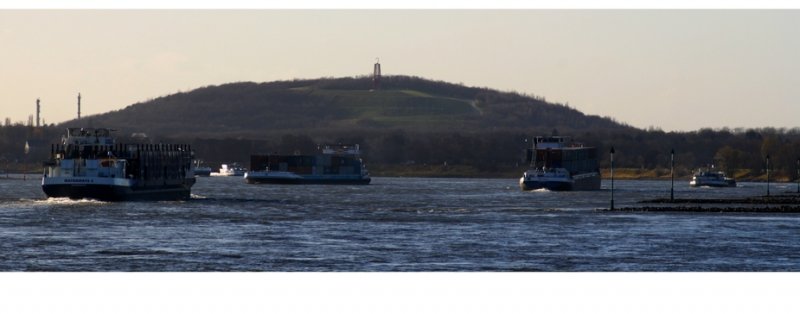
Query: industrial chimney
{"points": [[38, 110]]}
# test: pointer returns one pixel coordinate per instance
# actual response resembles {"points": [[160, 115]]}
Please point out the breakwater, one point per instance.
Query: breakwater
{"points": [[787, 202]]}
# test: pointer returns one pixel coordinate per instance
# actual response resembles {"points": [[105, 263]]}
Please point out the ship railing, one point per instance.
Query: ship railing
{"points": [[341, 149]]}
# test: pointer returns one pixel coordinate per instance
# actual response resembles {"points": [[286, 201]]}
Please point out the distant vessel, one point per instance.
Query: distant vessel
{"points": [[200, 170], [337, 164], [89, 164], [706, 177], [558, 164], [231, 170]]}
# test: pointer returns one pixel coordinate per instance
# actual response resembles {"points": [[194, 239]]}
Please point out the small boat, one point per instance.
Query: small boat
{"points": [[336, 164], [558, 164], [231, 170], [704, 177], [200, 170], [90, 164]]}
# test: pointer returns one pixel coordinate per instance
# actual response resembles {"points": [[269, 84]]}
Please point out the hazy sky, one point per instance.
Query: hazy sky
{"points": [[673, 69]]}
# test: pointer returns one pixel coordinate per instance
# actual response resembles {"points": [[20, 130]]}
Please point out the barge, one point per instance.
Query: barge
{"points": [[558, 164], [88, 163], [335, 164]]}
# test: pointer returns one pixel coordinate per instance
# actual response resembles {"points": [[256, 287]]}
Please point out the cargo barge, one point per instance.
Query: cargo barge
{"points": [[558, 164], [336, 164], [90, 164]]}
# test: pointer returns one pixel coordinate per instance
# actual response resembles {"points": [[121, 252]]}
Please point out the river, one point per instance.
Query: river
{"points": [[393, 224]]}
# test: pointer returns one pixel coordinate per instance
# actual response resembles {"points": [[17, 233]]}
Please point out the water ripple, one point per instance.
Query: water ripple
{"points": [[394, 224]]}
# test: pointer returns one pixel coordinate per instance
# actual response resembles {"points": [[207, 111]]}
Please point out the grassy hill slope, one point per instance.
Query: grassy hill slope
{"points": [[249, 109]]}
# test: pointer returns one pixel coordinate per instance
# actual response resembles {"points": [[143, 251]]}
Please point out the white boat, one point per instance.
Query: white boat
{"points": [[231, 170], [712, 179]]}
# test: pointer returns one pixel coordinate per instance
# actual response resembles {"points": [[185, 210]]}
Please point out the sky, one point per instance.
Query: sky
{"points": [[677, 70]]}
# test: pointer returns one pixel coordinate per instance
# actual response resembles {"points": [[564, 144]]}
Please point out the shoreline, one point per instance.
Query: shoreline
{"points": [[470, 172], [15, 175]]}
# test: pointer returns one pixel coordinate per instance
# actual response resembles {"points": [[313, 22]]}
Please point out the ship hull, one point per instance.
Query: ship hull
{"points": [[585, 182], [202, 173], [290, 178], [547, 185], [117, 190], [726, 184]]}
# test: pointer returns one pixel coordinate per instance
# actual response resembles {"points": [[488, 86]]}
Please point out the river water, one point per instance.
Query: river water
{"points": [[393, 224]]}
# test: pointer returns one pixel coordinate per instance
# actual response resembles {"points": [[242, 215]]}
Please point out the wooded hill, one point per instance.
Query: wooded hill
{"points": [[408, 126], [319, 106]]}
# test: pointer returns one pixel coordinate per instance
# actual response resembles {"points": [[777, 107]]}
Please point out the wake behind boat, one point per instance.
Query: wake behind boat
{"points": [[89, 164], [337, 164]]}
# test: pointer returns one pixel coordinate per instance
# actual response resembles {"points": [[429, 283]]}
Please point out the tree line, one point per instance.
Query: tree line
{"points": [[740, 152], [251, 109]]}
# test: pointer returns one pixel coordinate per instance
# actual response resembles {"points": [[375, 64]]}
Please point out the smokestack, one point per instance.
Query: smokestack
{"points": [[38, 110], [79, 106]]}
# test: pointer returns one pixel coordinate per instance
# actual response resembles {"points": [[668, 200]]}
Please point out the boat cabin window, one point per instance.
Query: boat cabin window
{"points": [[549, 140]]}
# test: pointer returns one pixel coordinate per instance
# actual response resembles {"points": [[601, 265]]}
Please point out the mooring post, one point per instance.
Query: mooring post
{"points": [[672, 175], [612, 177], [25, 162], [767, 175]]}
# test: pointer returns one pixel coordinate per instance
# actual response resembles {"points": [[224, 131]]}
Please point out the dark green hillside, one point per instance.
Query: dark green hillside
{"points": [[411, 126], [346, 104]]}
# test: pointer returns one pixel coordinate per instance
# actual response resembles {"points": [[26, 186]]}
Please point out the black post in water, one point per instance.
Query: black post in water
{"points": [[25, 162], [767, 175], [612, 177], [672, 174]]}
